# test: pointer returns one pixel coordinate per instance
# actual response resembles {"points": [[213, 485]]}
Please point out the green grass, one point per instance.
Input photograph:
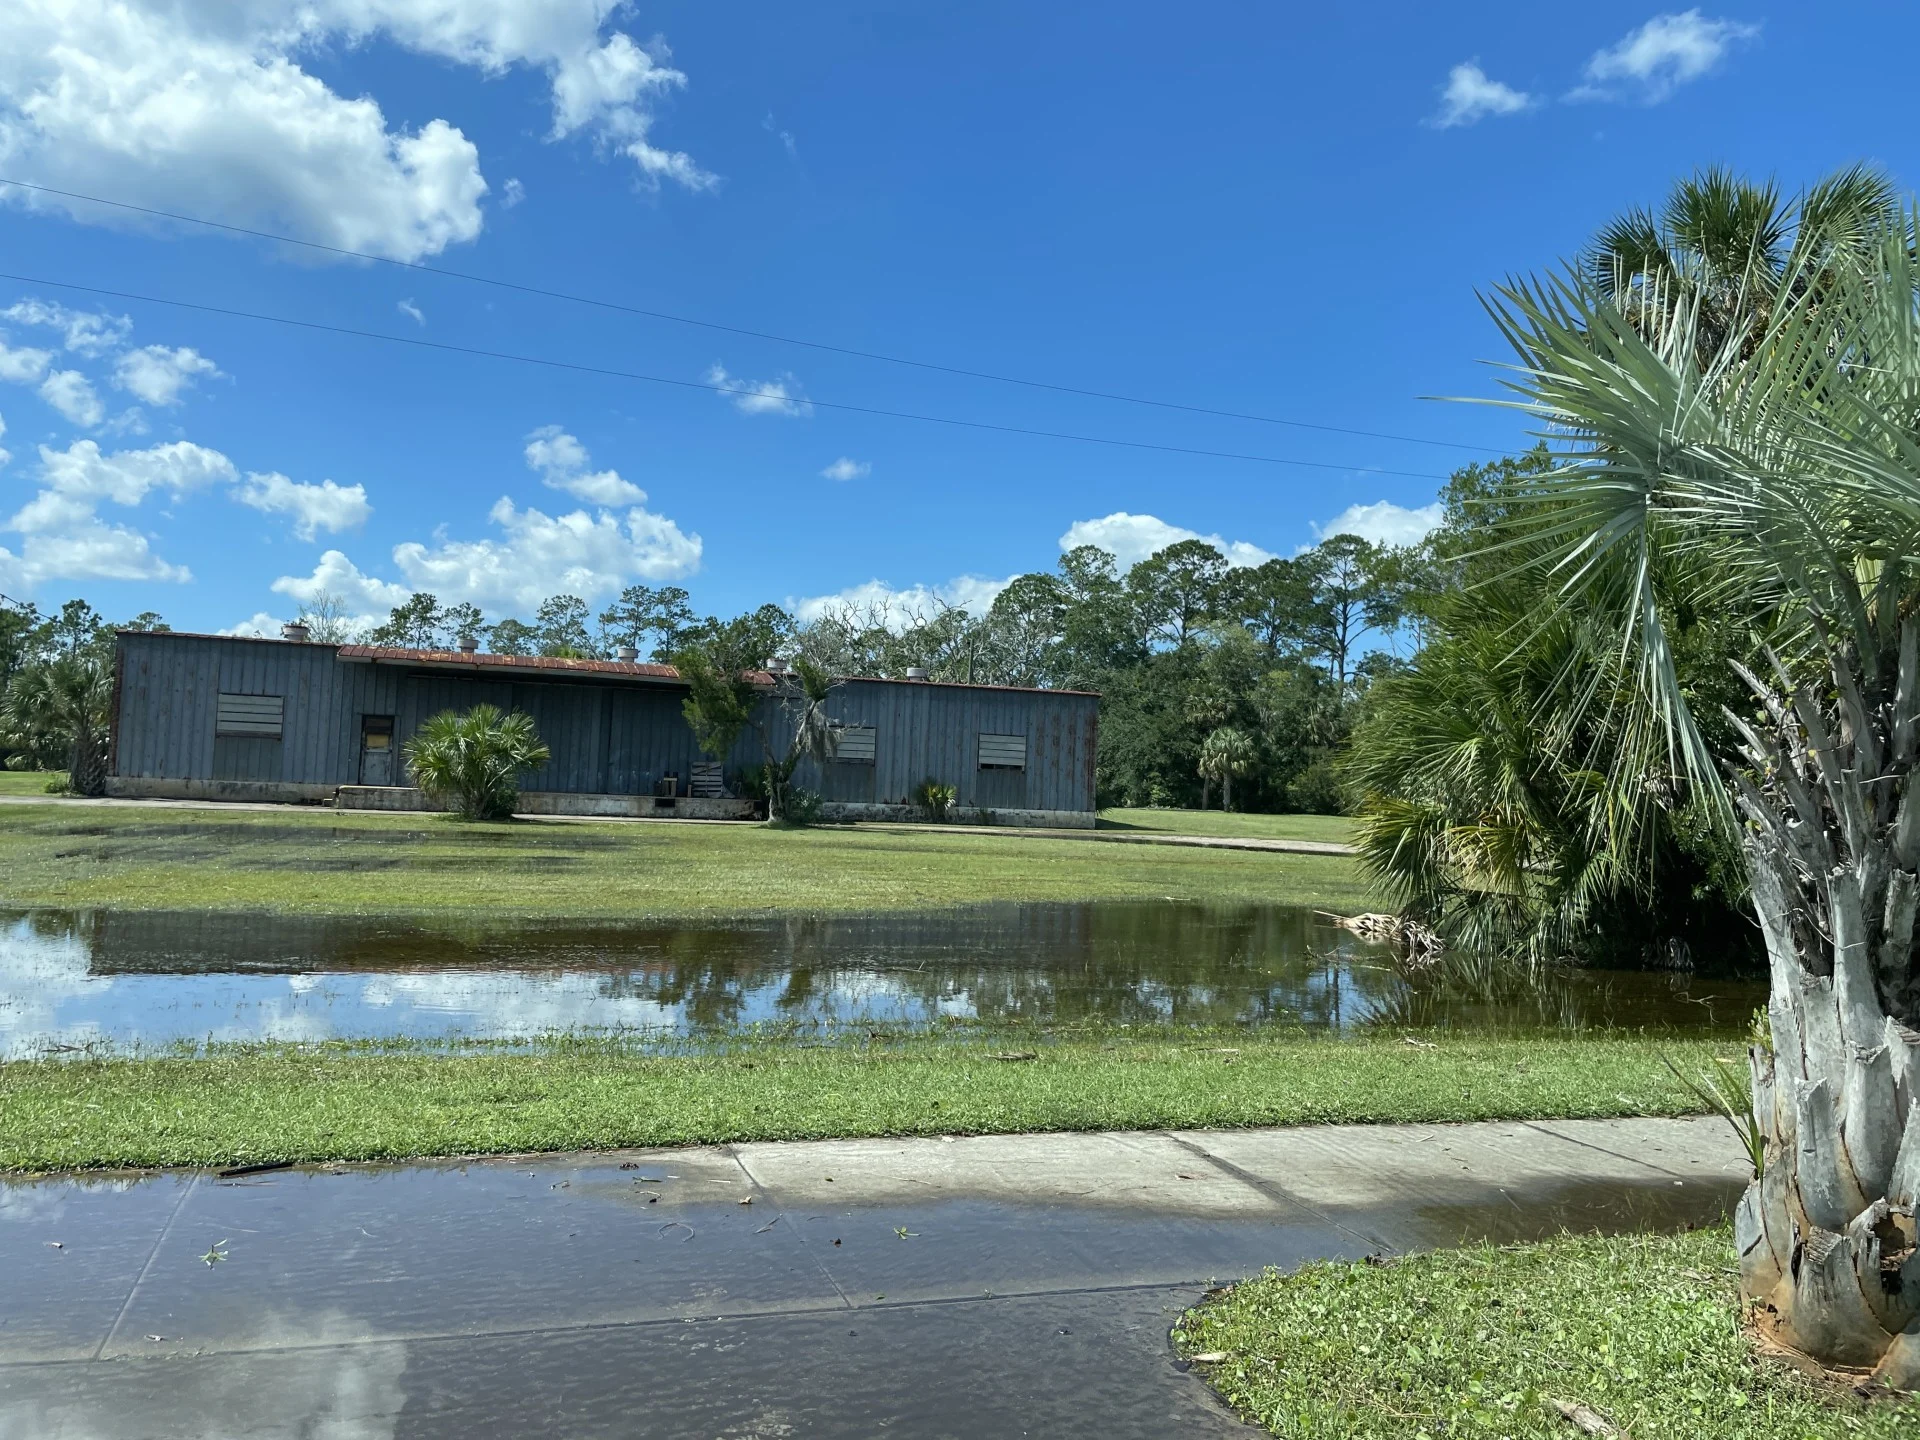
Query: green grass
{"points": [[1476, 1342], [134, 857], [28, 782], [364, 1102], [1335, 828]]}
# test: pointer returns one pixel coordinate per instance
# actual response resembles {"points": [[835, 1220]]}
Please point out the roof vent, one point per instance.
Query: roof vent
{"points": [[776, 666], [468, 644], [626, 653], [295, 631], [916, 672]]}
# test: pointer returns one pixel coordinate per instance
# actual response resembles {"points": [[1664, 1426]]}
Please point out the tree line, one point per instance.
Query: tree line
{"points": [[56, 689]]}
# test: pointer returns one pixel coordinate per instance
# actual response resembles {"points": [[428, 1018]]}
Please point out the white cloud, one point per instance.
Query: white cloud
{"points": [[339, 577], [5, 455], [325, 506], [205, 108], [23, 366], [898, 608], [1470, 96], [1662, 55], [82, 475], [512, 193], [72, 394], [561, 462], [781, 396], [259, 626], [412, 311], [1385, 523], [589, 555], [1132, 538], [64, 535], [845, 469], [535, 555], [159, 375], [85, 332]]}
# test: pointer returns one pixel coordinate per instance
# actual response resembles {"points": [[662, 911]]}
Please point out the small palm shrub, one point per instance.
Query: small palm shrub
{"points": [[475, 760], [935, 798], [63, 705]]}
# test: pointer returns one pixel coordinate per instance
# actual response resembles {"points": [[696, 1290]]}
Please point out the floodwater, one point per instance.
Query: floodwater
{"points": [[86, 981]]}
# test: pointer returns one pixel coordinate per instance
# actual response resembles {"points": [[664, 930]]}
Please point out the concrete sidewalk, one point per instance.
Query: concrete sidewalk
{"points": [[1017, 1285]]}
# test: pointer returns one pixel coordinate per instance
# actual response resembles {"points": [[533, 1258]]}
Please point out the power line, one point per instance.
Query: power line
{"points": [[734, 391], [615, 305]]}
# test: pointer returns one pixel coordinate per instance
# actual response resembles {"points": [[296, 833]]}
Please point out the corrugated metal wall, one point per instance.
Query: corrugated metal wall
{"points": [[169, 686], [927, 731], [607, 737]]}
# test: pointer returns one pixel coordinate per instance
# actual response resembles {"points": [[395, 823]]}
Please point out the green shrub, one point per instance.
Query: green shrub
{"points": [[475, 760], [935, 798], [802, 807]]}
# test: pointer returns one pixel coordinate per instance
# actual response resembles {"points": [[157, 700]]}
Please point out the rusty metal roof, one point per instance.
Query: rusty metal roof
{"points": [[482, 660], [555, 666]]}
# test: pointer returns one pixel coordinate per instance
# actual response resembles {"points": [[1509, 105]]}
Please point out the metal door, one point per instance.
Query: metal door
{"points": [[376, 750]]}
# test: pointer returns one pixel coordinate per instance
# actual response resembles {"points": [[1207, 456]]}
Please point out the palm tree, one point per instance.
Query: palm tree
{"points": [[1477, 767], [476, 759], [1778, 463], [1225, 754], [64, 703], [1726, 245]]}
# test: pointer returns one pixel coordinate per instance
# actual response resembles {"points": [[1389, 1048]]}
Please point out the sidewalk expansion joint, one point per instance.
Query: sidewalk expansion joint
{"points": [[1279, 1194]]}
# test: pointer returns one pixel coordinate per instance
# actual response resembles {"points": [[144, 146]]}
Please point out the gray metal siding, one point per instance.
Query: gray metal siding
{"points": [[169, 696], [929, 731], [606, 737]]}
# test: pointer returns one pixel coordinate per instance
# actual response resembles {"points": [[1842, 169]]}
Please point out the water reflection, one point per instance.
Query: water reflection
{"points": [[150, 979]]}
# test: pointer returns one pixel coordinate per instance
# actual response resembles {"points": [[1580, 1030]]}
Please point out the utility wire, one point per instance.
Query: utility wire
{"points": [[735, 391], [739, 330]]}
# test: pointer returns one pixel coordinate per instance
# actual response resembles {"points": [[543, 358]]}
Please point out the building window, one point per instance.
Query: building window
{"points": [[1003, 752], [256, 717], [856, 745]]}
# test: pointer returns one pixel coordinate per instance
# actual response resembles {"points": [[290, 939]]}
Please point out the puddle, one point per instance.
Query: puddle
{"points": [[152, 979], [1587, 1206]]}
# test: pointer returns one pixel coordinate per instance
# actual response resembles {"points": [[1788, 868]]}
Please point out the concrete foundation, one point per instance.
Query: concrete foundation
{"points": [[846, 810], [557, 802], [246, 792]]}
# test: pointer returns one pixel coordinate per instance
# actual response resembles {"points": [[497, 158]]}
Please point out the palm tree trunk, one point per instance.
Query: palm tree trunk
{"points": [[1226, 791], [87, 772], [1206, 790], [1826, 1232]]}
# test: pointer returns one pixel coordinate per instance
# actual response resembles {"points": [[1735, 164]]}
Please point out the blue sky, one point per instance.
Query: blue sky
{"points": [[1281, 210]]}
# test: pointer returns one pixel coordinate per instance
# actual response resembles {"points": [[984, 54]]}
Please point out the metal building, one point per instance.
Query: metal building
{"points": [[235, 718]]}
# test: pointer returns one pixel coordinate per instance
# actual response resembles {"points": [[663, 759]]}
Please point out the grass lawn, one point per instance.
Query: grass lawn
{"points": [[133, 857], [28, 782], [345, 1102], [1335, 828], [1479, 1342]]}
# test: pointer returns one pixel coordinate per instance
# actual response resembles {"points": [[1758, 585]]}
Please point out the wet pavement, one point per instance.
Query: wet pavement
{"points": [[994, 1286], [77, 981]]}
